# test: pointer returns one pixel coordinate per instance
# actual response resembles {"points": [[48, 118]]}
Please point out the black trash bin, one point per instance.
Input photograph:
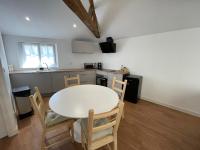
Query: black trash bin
{"points": [[23, 103]]}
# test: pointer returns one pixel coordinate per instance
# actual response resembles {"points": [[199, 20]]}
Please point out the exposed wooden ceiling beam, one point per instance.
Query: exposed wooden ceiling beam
{"points": [[88, 18]]}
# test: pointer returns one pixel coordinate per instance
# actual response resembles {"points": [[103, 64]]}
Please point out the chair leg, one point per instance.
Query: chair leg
{"points": [[83, 141], [115, 143], [123, 115], [89, 148], [108, 145], [43, 145]]}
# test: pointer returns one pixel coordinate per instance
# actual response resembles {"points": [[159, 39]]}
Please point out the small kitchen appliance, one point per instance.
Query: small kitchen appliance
{"points": [[89, 66], [99, 65]]}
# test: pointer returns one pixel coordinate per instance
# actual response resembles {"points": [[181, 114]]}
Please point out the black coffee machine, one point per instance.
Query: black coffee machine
{"points": [[99, 65]]}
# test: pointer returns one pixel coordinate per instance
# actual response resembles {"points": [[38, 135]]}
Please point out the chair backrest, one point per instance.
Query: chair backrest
{"points": [[112, 118], [72, 81], [38, 105], [119, 87]]}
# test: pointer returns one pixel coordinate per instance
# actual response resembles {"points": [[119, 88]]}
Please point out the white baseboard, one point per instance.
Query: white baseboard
{"points": [[3, 134], [13, 132], [9, 134], [172, 107]]}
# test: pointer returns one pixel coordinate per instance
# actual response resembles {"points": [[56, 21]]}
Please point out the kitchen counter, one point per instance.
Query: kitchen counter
{"points": [[64, 70], [52, 80], [112, 71], [48, 70]]}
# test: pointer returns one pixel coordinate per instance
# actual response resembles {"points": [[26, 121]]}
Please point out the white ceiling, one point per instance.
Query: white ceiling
{"points": [[117, 18]]}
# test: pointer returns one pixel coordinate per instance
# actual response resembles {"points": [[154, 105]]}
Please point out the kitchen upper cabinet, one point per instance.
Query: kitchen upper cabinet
{"points": [[41, 80], [84, 47]]}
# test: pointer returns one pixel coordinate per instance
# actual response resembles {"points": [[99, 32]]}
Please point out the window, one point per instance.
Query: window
{"points": [[38, 55]]}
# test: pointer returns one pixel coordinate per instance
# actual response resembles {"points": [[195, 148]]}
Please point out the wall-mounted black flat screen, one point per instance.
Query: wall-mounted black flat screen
{"points": [[107, 47]]}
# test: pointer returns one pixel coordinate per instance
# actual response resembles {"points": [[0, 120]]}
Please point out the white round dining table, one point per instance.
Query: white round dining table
{"points": [[76, 101]]}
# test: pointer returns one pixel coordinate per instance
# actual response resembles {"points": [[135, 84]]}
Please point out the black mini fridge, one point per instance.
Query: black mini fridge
{"points": [[133, 88]]}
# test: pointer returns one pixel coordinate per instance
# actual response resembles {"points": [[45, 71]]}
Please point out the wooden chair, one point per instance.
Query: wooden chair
{"points": [[98, 130], [50, 121], [120, 88], [72, 81]]}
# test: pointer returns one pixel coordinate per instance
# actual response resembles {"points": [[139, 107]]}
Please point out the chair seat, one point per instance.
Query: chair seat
{"points": [[52, 119], [96, 135]]}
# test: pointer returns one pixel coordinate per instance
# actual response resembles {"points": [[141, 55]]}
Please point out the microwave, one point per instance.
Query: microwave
{"points": [[89, 66]]}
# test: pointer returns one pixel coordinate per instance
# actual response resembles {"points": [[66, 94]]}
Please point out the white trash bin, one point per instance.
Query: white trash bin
{"points": [[23, 103]]}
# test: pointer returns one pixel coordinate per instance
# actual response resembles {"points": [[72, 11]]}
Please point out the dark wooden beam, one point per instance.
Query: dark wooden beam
{"points": [[88, 18]]}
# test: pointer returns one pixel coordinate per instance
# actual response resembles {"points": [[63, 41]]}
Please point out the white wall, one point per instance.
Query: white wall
{"points": [[3, 131], [66, 58], [7, 113], [169, 63]]}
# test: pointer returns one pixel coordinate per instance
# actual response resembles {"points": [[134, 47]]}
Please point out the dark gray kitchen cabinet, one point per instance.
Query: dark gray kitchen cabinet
{"points": [[40, 79], [50, 82], [58, 80]]}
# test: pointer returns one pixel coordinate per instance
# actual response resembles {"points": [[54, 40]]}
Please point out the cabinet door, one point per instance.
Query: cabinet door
{"points": [[17, 79], [58, 80], [41, 80], [74, 73], [84, 47], [44, 83], [86, 77]]}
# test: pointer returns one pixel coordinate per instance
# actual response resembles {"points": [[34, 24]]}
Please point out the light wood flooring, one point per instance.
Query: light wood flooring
{"points": [[146, 126]]}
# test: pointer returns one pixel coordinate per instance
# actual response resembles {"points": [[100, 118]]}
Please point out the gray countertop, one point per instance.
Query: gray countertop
{"points": [[63, 70]]}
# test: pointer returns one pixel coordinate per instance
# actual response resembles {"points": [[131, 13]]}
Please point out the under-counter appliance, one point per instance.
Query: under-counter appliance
{"points": [[101, 80], [133, 88]]}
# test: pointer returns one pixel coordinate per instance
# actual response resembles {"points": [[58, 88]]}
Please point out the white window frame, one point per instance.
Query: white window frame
{"points": [[39, 51]]}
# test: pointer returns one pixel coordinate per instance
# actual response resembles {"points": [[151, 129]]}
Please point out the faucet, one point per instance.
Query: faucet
{"points": [[46, 65]]}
